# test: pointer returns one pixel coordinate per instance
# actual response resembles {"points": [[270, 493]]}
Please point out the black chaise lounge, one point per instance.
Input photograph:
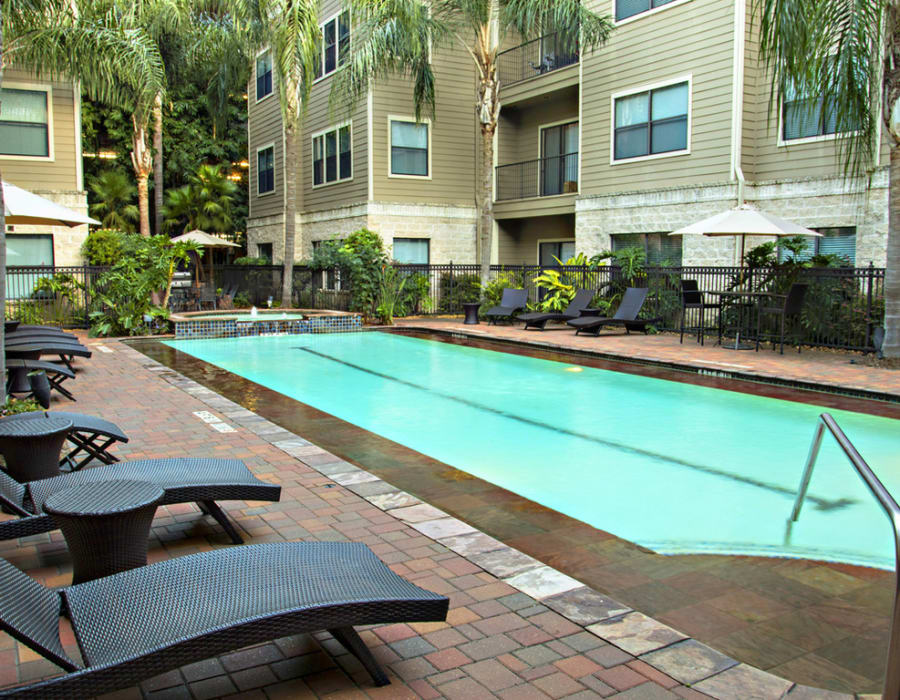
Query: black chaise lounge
{"points": [[512, 300], [538, 319], [143, 622], [17, 380], [90, 436], [35, 348], [183, 479], [625, 315]]}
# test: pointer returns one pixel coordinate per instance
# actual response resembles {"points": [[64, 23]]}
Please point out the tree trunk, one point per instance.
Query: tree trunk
{"points": [[891, 346], [2, 246], [290, 211], [486, 218], [158, 188], [142, 161]]}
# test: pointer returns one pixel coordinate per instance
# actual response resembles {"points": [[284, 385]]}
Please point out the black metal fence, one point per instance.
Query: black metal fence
{"points": [[535, 57], [59, 296], [842, 306], [543, 177]]}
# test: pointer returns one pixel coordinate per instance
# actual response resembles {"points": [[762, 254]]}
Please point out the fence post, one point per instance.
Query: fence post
{"points": [[84, 294], [870, 274], [450, 304]]}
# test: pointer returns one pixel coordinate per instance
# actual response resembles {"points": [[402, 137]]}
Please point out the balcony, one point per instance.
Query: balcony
{"points": [[544, 177], [533, 58]]}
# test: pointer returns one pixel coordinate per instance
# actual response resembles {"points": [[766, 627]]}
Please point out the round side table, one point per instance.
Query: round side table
{"points": [[471, 310], [106, 525], [31, 447]]}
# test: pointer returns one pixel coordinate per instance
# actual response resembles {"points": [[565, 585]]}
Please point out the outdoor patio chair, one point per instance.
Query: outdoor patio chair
{"points": [[626, 315], [13, 326], [538, 319], [145, 621], [90, 437], [693, 298], [17, 382], [207, 296], [34, 348], [42, 333], [789, 308], [184, 480], [512, 300]]}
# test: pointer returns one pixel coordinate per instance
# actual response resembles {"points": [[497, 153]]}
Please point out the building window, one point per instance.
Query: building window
{"points": [[332, 156], [263, 75], [25, 123], [264, 250], [559, 159], [551, 251], [630, 8], [409, 148], [651, 122], [265, 168], [335, 44], [414, 251], [840, 241], [660, 249], [806, 117]]}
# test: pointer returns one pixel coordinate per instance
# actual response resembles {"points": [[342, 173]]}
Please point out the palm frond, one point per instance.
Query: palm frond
{"points": [[575, 25]]}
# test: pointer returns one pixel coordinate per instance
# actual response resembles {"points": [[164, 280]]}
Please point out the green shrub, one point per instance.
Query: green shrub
{"points": [[416, 296], [493, 290], [242, 300], [249, 260], [15, 406], [458, 290], [360, 257], [102, 247]]}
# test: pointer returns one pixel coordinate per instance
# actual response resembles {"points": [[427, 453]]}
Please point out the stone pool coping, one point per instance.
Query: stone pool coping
{"points": [[223, 314], [660, 646]]}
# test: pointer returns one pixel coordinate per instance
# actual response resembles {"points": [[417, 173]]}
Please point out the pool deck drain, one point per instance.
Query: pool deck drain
{"points": [[661, 647]]}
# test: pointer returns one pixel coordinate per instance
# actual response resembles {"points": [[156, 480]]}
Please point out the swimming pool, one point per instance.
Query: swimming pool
{"points": [[674, 467]]}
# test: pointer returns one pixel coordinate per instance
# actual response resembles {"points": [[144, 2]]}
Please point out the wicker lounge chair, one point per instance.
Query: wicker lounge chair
{"points": [[538, 319], [34, 348], [140, 623], [625, 315], [56, 375], [183, 479], [512, 300], [90, 436], [17, 327]]}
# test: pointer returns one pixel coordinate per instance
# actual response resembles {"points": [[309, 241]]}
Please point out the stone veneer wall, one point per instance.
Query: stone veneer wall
{"points": [[66, 241], [451, 229], [815, 203]]}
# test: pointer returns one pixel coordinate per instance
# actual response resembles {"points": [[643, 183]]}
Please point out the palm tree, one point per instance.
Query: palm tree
{"points": [[290, 29], [47, 36], [846, 52], [206, 202], [398, 36], [113, 195]]}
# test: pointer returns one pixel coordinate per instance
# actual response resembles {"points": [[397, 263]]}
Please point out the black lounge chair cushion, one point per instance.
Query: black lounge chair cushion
{"points": [[511, 301], [580, 301], [628, 310], [50, 346], [138, 611]]}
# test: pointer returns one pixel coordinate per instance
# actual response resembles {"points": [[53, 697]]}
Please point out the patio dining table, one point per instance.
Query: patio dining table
{"points": [[745, 302]]}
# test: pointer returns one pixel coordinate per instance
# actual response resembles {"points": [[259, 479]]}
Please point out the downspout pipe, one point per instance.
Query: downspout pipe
{"points": [[737, 96]]}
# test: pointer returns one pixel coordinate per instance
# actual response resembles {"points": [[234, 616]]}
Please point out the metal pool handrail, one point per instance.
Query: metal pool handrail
{"points": [[891, 509]]}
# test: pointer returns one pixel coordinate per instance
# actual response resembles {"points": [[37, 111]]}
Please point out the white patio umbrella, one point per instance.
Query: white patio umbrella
{"points": [[744, 220], [25, 208], [207, 241]]}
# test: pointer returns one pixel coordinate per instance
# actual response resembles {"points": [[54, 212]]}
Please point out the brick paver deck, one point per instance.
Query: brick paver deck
{"points": [[503, 638]]}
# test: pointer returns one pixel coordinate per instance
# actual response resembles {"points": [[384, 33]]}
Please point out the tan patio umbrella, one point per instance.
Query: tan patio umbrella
{"points": [[25, 208], [744, 220], [207, 241]]}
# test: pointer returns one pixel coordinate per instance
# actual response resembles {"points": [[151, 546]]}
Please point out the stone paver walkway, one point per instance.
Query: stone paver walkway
{"points": [[503, 638]]}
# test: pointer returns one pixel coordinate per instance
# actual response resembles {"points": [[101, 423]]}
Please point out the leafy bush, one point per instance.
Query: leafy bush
{"points": [[416, 296], [390, 290], [559, 293], [242, 300], [102, 247], [123, 303], [249, 260], [456, 291], [493, 290], [361, 257], [15, 406]]}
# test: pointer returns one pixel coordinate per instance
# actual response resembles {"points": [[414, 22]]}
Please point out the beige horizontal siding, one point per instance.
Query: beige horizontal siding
{"points": [[454, 137], [43, 175], [264, 127], [518, 238], [693, 38]]}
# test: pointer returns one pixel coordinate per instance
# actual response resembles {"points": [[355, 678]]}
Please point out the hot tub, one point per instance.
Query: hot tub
{"points": [[237, 324]]}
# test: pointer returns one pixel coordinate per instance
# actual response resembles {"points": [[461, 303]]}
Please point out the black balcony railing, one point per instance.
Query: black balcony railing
{"points": [[535, 57], [538, 178]]}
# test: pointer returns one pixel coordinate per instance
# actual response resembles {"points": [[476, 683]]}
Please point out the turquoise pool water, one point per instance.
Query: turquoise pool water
{"points": [[674, 467]]}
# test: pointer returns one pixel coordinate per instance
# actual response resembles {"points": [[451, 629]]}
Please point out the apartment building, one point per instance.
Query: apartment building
{"points": [[40, 151], [667, 124]]}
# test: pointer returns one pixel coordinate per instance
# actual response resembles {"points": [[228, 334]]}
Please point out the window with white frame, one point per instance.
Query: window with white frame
{"points": [[332, 156], [630, 8], [409, 148], [265, 169], [263, 75], [652, 122], [413, 251], [804, 116], [25, 123], [335, 47], [839, 241]]}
